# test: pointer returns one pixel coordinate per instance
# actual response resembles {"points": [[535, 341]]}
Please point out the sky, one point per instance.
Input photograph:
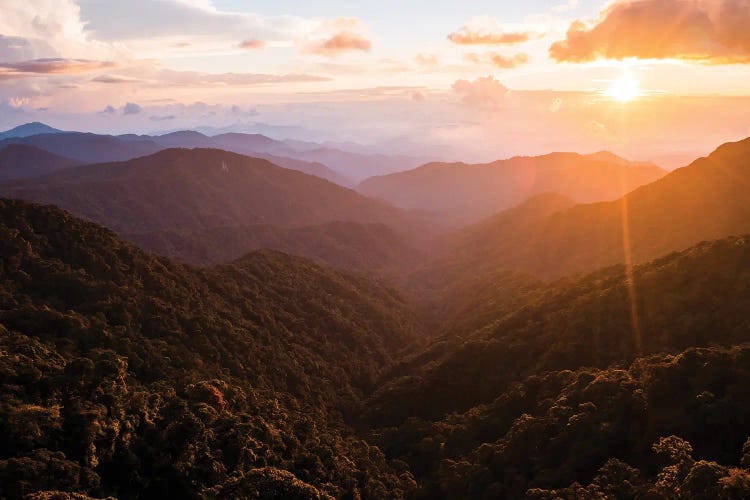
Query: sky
{"points": [[465, 80]]}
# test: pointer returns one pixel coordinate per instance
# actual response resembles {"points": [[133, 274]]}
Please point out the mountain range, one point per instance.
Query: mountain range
{"points": [[341, 166], [467, 193], [198, 189], [18, 161], [574, 331], [702, 201]]}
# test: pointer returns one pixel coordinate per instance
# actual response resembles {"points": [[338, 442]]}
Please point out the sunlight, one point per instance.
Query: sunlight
{"points": [[624, 89]]}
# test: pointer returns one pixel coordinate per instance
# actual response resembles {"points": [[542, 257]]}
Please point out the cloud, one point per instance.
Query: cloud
{"points": [[482, 92], [710, 31], [566, 7], [340, 42], [507, 62], [115, 79], [196, 78], [52, 66], [427, 59], [162, 118], [108, 110], [487, 31], [333, 37], [16, 48], [251, 44], [131, 108], [498, 60]]}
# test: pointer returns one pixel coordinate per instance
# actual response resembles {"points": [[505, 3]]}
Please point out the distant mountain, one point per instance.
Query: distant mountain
{"points": [[351, 165], [342, 167], [706, 200], [364, 247], [89, 148], [28, 129], [465, 193], [194, 190], [252, 145], [18, 161]]}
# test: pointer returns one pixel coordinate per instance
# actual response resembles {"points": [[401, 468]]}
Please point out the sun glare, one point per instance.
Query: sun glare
{"points": [[624, 89]]}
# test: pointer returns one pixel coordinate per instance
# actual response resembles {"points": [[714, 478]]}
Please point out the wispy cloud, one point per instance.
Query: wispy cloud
{"points": [[251, 44], [54, 66], [487, 31]]}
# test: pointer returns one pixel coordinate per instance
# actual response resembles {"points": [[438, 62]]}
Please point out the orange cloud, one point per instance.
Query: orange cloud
{"points": [[252, 44], [498, 60], [343, 41], [468, 35], [506, 62], [711, 31]]}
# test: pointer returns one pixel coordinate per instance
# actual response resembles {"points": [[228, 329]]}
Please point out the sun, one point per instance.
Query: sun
{"points": [[624, 89]]}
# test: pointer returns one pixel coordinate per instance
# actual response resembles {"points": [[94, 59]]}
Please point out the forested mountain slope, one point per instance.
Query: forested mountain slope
{"points": [[193, 190], [127, 375], [706, 200], [18, 161]]}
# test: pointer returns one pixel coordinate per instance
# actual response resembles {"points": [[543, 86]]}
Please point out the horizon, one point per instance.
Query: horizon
{"points": [[470, 82]]}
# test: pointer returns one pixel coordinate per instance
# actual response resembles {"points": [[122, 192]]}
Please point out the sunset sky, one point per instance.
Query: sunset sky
{"points": [[479, 79]]}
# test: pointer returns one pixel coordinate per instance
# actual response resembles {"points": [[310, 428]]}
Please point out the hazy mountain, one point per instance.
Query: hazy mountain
{"points": [[254, 145], [705, 200], [194, 190], [27, 129], [19, 161], [349, 245], [120, 368], [88, 148], [467, 193], [355, 166]]}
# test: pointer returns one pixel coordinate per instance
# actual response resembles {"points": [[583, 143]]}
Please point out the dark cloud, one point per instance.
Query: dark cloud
{"points": [[712, 31], [162, 118], [131, 108], [114, 79]]}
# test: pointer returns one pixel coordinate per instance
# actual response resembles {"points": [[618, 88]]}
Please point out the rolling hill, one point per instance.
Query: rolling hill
{"points": [[200, 189], [19, 161], [131, 376], [467, 193], [363, 247], [705, 200]]}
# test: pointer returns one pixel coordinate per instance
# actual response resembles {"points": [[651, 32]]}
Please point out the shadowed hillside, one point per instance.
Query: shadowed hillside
{"points": [[128, 375], [348, 245], [193, 190], [18, 161]]}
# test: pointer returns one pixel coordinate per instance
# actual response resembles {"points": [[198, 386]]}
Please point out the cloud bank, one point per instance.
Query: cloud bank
{"points": [[709, 31]]}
